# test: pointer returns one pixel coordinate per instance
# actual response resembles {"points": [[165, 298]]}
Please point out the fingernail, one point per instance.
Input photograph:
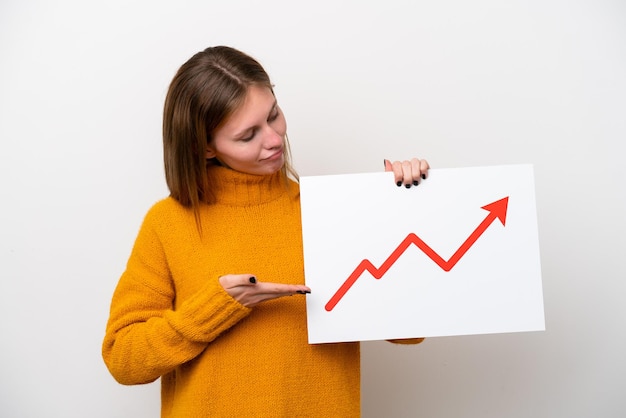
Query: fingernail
{"points": [[385, 163], [408, 185], [415, 183], [252, 279], [423, 176], [399, 184], [303, 292]]}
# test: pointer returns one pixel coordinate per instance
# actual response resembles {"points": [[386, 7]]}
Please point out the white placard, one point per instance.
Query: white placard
{"points": [[458, 254]]}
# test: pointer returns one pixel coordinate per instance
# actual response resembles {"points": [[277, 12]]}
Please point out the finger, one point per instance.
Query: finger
{"points": [[424, 167], [229, 281], [388, 166], [282, 289], [397, 172], [407, 340], [407, 174], [415, 171], [253, 296]]}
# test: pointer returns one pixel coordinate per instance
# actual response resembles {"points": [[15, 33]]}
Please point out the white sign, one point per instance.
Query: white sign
{"points": [[458, 254]]}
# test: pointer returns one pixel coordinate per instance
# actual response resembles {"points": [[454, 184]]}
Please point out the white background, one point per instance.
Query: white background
{"points": [[463, 83]]}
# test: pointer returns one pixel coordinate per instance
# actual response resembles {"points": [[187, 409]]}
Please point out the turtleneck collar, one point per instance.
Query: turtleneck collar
{"points": [[235, 188]]}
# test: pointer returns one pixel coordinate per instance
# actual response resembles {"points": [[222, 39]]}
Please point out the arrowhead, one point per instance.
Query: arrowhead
{"points": [[498, 209]]}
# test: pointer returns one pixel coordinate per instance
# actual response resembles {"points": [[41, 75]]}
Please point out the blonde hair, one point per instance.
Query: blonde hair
{"points": [[205, 91]]}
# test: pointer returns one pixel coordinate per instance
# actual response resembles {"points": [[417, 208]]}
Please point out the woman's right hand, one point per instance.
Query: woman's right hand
{"points": [[247, 290]]}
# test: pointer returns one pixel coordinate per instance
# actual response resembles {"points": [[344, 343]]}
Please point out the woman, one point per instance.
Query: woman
{"points": [[201, 303]]}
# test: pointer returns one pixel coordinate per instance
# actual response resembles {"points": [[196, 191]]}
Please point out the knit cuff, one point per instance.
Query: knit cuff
{"points": [[208, 313]]}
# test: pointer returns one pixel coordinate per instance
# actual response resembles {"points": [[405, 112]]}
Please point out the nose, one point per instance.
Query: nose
{"points": [[272, 138]]}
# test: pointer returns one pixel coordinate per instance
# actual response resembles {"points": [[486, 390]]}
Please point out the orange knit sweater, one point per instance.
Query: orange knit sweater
{"points": [[170, 318]]}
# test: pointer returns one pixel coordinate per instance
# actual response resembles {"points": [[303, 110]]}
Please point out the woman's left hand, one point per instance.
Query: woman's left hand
{"points": [[408, 172], [407, 341]]}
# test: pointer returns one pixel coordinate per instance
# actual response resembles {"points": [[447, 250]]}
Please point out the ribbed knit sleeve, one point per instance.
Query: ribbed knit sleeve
{"points": [[146, 336]]}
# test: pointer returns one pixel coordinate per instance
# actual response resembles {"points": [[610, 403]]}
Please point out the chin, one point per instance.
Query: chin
{"points": [[275, 166], [274, 170]]}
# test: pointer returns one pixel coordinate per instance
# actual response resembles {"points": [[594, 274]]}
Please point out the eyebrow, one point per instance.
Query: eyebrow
{"points": [[244, 132]]}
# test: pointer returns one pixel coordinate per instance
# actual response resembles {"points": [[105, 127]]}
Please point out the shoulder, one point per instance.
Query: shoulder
{"points": [[168, 204], [167, 221], [294, 188], [166, 211]]}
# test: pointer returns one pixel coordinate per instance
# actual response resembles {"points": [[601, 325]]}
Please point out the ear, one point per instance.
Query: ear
{"points": [[209, 152]]}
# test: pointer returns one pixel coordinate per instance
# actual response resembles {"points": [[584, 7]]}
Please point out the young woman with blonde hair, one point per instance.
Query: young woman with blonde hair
{"points": [[201, 303]]}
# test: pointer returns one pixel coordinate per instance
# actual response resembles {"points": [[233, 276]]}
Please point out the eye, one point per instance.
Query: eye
{"points": [[274, 115], [249, 137]]}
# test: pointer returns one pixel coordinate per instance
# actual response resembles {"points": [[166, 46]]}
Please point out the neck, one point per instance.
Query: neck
{"points": [[241, 189]]}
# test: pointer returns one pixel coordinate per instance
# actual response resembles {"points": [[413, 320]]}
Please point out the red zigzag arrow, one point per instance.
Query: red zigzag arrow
{"points": [[497, 210]]}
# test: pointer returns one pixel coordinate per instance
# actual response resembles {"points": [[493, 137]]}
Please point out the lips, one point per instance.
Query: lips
{"points": [[276, 155]]}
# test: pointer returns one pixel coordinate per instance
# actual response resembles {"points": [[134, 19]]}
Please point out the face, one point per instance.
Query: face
{"points": [[252, 138]]}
